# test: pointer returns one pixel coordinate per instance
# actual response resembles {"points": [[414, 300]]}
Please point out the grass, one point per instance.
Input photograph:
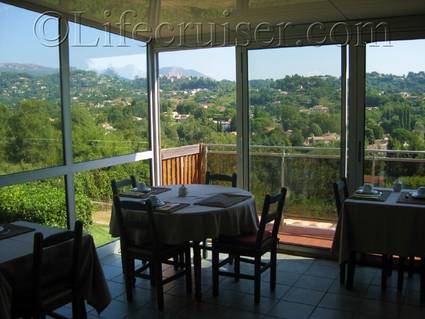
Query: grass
{"points": [[100, 234]]}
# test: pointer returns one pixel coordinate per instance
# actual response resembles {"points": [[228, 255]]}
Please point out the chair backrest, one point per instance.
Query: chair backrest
{"points": [[64, 275], [341, 194], [146, 206], [268, 217], [116, 185], [211, 178]]}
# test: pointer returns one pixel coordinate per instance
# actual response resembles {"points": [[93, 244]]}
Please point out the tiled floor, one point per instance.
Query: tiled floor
{"points": [[307, 288]]}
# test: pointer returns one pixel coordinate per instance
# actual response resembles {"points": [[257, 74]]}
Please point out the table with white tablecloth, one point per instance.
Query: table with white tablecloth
{"points": [[194, 223], [16, 267], [387, 227]]}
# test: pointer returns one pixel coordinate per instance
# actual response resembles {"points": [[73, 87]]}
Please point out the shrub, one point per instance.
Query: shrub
{"points": [[41, 202], [413, 181]]}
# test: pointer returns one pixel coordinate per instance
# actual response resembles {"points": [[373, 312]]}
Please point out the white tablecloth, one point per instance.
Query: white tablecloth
{"points": [[194, 222], [381, 227]]}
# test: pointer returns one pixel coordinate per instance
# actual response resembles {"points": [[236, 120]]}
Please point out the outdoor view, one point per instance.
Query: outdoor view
{"points": [[395, 113], [109, 109]]}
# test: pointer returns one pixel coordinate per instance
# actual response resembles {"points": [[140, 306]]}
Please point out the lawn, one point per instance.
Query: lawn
{"points": [[100, 234]]}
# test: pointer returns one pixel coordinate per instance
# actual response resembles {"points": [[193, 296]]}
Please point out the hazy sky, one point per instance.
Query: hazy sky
{"points": [[20, 45]]}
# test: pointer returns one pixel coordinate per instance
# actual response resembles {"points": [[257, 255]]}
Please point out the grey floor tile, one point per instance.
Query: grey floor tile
{"points": [[291, 310], [412, 312], [293, 266], [379, 309], [117, 309], [340, 302], [304, 296], [202, 311], [323, 313], [315, 283], [389, 295], [358, 290], [323, 271]]}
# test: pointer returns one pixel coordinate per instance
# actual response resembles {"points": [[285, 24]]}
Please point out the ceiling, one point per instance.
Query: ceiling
{"points": [[154, 12]]}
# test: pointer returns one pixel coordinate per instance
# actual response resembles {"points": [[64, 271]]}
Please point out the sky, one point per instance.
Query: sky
{"points": [[20, 45]]}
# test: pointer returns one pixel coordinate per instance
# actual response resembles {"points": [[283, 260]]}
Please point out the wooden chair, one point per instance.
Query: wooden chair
{"points": [[154, 252], [209, 180], [252, 245], [55, 283], [341, 194], [117, 185]]}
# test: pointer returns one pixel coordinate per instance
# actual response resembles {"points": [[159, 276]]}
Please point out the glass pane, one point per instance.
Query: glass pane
{"points": [[93, 194], [198, 107], [41, 202], [108, 94], [295, 127], [30, 112], [395, 113]]}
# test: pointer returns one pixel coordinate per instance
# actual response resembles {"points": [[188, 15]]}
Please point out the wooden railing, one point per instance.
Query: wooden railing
{"points": [[184, 164]]}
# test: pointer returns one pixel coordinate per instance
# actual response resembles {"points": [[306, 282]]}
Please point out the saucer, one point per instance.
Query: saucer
{"points": [[372, 192], [416, 195]]}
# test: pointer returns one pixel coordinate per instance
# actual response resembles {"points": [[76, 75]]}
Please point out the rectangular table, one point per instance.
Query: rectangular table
{"points": [[16, 267], [381, 227]]}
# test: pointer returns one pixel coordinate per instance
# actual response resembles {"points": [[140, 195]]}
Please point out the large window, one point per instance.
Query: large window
{"points": [[198, 93], [30, 112], [94, 196], [108, 94], [395, 113], [295, 126]]}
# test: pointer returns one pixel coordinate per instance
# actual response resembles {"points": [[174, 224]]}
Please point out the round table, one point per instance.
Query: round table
{"points": [[194, 223]]}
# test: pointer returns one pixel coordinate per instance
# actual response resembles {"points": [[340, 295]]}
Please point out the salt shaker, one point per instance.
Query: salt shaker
{"points": [[182, 191]]}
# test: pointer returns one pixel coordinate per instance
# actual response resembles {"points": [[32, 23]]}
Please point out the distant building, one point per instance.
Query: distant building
{"points": [[325, 138], [180, 117]]}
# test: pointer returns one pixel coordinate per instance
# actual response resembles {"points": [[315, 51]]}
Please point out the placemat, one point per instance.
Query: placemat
{"points": [[141, 195], [171, 207], [10, 230], [223, 200], [382, 198], [406, 198]]}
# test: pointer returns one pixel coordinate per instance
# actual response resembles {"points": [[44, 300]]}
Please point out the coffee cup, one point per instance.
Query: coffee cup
{"points": [[367, 188]]}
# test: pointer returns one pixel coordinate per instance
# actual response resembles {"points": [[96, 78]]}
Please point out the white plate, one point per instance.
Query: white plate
{"points": [[416, 195], [1, 229], [144, 190]]}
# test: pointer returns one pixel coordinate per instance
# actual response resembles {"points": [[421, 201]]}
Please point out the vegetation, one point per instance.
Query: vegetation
{"points": [[110, 117]]}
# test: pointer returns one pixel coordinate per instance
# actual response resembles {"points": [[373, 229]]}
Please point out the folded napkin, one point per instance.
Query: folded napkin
{"points": [[223, 200]]}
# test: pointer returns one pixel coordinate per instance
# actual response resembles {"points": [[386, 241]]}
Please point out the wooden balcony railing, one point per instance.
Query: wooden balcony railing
{"points": [[184, 164]]}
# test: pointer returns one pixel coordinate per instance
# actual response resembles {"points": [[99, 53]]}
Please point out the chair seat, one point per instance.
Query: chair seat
{"points": [[244, 240]]}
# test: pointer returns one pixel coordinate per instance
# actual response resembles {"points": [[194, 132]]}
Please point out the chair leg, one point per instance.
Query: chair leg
{"points": [[204, 249], [257, 280], [411, 266], [176, 261], [400, 276], [273, 266], [79, 308], [215, 269], [158, 284], [152, 273], [422, 287], [128, 278], [350, 271], [384, 273], [188, 268], [237, 267], [230, 259], [182, 259], [342, 273]]}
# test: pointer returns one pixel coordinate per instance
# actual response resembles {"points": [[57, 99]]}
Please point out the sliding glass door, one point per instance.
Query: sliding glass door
{"points": [[395, 113], [295, 119]]}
